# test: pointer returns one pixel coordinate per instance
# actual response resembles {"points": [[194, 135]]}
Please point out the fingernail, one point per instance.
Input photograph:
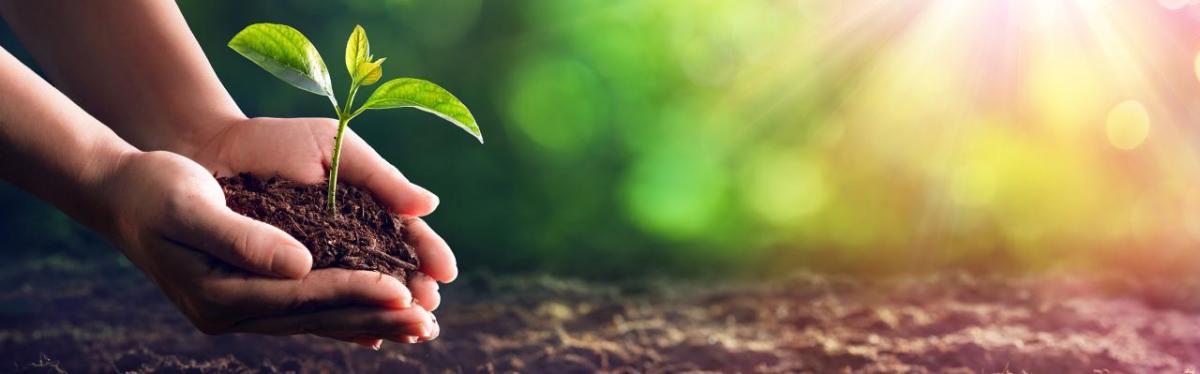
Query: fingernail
{"points": [[434, 335], [378, 344], [292, 262], [422, 330], [425, 277], [427, 330], [437, 330], [434, 201]]}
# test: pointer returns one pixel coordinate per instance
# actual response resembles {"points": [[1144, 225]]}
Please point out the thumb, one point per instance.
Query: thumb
{"points": [[240, 241]]}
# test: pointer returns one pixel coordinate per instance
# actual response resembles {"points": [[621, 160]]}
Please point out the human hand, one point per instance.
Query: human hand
{"points": [[168, 215], [300, 149], [177, 104]]}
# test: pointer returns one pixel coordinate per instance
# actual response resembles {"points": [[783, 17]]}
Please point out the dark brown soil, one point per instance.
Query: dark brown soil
{"points": [[363, 235], [62, 314]]}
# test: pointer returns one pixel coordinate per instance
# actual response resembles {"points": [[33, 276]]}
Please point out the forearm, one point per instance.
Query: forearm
{"points": [[133, 64], [49, 146]]}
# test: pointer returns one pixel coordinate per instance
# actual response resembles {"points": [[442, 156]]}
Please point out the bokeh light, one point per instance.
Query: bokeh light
{"points": [[1128, 124], [1197, 67]]}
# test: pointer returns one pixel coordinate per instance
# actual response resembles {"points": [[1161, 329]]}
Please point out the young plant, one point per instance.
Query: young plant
{"points": [[288, 55]]}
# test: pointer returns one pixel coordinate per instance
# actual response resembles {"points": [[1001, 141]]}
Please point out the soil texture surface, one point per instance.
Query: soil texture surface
{"points": [[363, 235], [59, 314]]}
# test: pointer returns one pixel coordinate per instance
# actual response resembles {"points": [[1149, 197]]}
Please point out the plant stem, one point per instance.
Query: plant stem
{"points": [[350, 101], [331, 195], [343, 122]]}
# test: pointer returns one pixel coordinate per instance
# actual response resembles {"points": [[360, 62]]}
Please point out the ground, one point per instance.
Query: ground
{"points": [[103, 316]]}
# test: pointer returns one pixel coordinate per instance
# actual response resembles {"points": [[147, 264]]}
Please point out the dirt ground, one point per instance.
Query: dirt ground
{"points": [[61, 315]]}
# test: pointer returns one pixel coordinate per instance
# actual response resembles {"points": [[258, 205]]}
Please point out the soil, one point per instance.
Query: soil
{"points": [[63, 314], [363, 235]]}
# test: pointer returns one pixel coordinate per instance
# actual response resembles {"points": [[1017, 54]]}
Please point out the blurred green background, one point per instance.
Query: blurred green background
{"points": [[708, 138]]}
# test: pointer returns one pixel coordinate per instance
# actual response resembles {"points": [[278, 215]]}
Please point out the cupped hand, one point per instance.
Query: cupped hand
{"points": [[300, 149], [168, 215]]}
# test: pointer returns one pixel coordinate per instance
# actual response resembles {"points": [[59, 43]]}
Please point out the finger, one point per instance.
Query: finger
{"points": [[437, 330], [409, 339], [364, 167], [344, 323], [236, 239], [424, 290], [436, 258], [323, 288], [404, 339]]}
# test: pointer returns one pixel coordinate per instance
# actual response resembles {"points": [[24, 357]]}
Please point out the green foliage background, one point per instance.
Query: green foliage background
{"points": [[716, 137]]}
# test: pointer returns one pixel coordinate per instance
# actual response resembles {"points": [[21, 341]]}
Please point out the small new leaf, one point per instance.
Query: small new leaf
{"points": [[285, 53], [368, 73], [426, 96], [358, 50]]}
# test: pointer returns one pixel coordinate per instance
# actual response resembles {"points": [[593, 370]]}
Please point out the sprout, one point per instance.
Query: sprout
{"points": [[288, 55]]}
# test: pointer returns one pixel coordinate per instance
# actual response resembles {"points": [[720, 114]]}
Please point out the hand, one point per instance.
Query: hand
{"points": [[177, 104], [300, 149], [168, 215]]}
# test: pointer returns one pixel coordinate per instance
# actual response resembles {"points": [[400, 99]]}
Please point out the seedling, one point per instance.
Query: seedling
{"points": [[288, 55]]}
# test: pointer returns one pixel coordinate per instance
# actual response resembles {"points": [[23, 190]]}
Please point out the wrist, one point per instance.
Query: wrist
{"points": [[190, 134], [105, 158], [95, 205]]}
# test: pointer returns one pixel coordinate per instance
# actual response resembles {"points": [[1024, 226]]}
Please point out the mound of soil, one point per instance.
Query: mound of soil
{"points": [[363, 235]]}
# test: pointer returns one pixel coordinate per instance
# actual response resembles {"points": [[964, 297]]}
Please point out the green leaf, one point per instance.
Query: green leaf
{"points": [[367, 73], [285, 53], [358, 50], [426, 96]]}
